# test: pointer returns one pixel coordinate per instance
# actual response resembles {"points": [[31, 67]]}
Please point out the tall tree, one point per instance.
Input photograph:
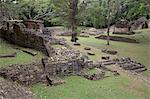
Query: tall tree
{"points": [[69, 11], [108, 22], [112, 15], [73, 18]]}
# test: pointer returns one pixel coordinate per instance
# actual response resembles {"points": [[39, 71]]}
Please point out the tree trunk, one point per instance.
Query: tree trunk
{"points": [[74, 12], [108, 25], [74, 34], [108, 38]]}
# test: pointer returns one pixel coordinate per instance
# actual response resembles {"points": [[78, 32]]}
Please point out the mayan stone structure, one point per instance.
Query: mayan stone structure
{"points": [[12, 90], [57, 61], [28, 34]]}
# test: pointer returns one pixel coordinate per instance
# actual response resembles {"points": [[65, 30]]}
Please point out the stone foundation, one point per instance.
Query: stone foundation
{"points": [[117, 38], [29, 74]]}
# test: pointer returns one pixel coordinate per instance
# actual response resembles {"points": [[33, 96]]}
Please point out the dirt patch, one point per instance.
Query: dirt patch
{"points": [[136, 85], [117, 38]]}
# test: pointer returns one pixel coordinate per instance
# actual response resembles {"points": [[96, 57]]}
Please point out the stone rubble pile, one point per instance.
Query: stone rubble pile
{"points": [[107, 51], [65, 62], [94, 76], [63, 54], [25, 74], [11, 90]]}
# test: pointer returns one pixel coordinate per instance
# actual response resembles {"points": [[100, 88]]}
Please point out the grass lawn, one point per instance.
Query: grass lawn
{"points": [[120, 87], [21, 58]]}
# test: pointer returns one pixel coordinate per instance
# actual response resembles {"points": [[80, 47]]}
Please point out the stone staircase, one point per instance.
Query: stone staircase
{"points": [[128, 64]]}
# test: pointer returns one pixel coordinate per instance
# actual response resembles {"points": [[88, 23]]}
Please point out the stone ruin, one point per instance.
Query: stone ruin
{"points": [[122, 28], [9, 90], [126, 28], [58, 61], [26, 74], [117, 38], [99, 74], [107, 51], [140, 23], [101, 71], [63, 63], [133, 66], [29, 33], [125, 63]]}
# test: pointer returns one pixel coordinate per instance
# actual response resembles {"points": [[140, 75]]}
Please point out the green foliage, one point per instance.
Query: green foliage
{"points": [[90, 12], [10, 9]]}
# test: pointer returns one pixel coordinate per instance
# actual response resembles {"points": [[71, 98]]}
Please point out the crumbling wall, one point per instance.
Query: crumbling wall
{"points": [[9, 90], [66, 67], [29, 74], [17, 33], [25, 39], [140, 23]]}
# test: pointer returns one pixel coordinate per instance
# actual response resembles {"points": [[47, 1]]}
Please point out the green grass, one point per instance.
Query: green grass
{"points": [[92, 71], [80, 88], [21, 58]]}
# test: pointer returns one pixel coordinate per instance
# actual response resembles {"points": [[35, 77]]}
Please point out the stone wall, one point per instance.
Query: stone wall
{"points": [[17, 33], [67, 67], [117, 38], [9, 90], [33, 73], [26, 74], [140, 23], [26, 39]]}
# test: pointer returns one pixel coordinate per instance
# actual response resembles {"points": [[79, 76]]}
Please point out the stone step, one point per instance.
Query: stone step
{"points": [[136, 67], [108, 63], [140, 70]]}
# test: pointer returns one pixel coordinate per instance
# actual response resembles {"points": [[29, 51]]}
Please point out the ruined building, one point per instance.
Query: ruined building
{"points": [[29, 33], [57, 61]]}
